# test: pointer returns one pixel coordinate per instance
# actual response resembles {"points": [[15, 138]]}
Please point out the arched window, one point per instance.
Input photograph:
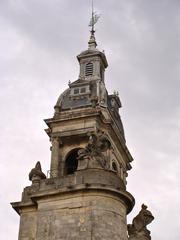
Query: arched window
{"points": [[71, 162], [89, 69]]}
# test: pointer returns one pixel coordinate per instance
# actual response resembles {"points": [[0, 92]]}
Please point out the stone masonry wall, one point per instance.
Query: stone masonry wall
{"points": [[80, 216], [27, 230]]}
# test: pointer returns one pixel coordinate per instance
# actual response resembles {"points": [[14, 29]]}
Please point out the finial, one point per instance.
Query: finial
{"points": [[94, 18], [36, 173]]}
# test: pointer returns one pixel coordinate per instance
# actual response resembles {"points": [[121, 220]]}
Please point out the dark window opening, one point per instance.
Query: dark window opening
{"points": [[89, 69], [71, 163], [76, 90], [83, 90], [114, 167]]}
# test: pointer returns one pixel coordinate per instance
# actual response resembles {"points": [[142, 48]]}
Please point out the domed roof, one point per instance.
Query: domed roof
{"points": [[62, 97], [78, 95]]}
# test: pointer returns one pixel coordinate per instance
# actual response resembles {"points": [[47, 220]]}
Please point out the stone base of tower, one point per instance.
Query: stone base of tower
{"points": [[79, 211], [85, 216]]}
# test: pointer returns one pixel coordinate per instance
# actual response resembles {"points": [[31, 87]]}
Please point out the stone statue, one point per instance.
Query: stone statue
{"points": [[93, 151], [36, 173], [137, 230], [102, 94]]}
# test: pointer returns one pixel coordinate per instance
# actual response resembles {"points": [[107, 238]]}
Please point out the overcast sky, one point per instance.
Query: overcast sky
{"points": [[39, 42]]}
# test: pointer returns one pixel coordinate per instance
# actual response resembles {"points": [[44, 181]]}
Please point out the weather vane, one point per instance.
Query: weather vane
{"points": [[94, 19]]}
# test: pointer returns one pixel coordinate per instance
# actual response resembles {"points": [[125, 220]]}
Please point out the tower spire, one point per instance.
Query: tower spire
{"points": [[94, 18], [92, 27]]}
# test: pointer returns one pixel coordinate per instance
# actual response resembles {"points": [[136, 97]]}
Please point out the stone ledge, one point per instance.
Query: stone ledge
{"points": [[19, 205], [123, 196], [86, 176]]}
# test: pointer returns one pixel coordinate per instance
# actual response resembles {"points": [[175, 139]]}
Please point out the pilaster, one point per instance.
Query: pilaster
{"points": [[54, 170]]}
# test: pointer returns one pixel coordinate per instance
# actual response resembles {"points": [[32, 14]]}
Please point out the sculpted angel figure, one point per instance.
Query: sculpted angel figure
{"points": [[96, 145]]}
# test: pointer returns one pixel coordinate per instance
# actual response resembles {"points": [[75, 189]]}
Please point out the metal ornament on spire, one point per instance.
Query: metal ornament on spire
{"points": [[94, 18]]}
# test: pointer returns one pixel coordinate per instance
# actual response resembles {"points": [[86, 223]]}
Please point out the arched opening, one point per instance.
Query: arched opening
{"points": [[71, 162], [114, 167]]}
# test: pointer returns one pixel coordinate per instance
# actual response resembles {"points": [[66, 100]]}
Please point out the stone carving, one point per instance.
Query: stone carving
{"points": [[94, 101], [93, 152], [36, 173], [137, 230], [102, 94]]}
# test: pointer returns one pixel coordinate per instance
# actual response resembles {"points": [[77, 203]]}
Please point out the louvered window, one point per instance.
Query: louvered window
{"points": [[89, 69]]}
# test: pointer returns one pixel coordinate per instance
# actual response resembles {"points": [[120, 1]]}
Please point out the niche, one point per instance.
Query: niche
{"points": [[71, 162]]}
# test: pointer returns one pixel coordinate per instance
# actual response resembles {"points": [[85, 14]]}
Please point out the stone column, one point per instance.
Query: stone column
{"points": [[54, 157]]}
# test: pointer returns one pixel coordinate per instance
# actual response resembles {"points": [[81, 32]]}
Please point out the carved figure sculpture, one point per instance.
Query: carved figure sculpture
{"points": [[93, 150], [36, 173], [137, 230], [103, 94]]}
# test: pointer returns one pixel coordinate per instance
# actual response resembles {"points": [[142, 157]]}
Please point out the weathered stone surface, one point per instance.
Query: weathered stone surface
{"points": [[93, 215], [28, 224], [90, 204]]}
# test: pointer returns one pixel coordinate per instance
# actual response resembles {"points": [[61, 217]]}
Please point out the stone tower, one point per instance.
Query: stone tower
{"points": [[84, 196]]}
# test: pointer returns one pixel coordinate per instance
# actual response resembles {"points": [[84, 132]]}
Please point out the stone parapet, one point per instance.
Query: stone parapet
{"points": [[84, 180]]}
